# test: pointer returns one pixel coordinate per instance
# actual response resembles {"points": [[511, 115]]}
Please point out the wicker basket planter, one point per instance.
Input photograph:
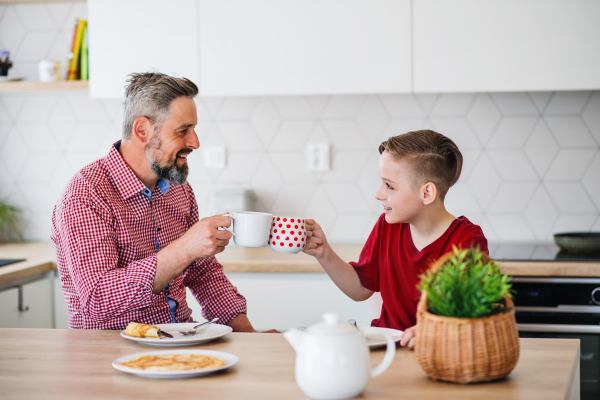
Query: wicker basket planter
{"points": [[466, 350]]}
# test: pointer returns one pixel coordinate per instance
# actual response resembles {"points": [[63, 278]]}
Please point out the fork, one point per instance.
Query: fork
{"points": [[353, 322], [203, 327]]}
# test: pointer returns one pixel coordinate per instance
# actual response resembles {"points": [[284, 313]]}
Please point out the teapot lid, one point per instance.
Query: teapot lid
{"points": [[332, 326]]}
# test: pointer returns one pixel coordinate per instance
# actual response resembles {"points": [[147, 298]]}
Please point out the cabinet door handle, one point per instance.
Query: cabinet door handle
{"points": [[22, 306]]}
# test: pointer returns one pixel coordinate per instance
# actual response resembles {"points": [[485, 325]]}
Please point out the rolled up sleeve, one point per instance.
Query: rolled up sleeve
{"points": [[213, 291]]}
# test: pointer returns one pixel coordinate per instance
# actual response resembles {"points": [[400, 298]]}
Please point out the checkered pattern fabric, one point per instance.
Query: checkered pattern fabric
{"points": [[105, 242]]}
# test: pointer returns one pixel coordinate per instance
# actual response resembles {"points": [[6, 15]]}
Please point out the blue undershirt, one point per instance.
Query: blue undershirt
{"points": [[164, 186]]}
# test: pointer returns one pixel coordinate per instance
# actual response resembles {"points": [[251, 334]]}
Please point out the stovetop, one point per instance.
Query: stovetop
{"points": [[536, 252]]}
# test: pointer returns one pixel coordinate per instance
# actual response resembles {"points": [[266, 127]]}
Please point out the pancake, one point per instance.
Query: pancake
{"points": [[174, 362], [136, 329]]}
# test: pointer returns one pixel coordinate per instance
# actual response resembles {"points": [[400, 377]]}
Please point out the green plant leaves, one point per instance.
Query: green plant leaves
{"points": [[465, 286], [10, 222]]}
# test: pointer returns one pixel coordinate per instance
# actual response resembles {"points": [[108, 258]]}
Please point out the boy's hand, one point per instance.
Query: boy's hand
{"points": [[316, 240], [408, 338]]}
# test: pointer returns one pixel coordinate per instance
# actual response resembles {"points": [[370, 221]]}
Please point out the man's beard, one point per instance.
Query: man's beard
{"points": [[172, 173]]}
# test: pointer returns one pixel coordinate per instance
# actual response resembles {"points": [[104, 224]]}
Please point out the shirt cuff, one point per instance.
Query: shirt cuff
{"points": [[141, 273], [365, 281]]}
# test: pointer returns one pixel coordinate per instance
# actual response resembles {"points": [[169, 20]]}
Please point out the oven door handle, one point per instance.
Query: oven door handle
{"points": [[558, 328]]}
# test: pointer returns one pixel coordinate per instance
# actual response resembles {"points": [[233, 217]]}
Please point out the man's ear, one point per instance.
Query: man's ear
{"points": [[428, 193], [142, 130]]}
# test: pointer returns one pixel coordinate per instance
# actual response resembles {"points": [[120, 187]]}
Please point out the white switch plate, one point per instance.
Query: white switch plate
{"points": [[317, 155], [214, 157]]}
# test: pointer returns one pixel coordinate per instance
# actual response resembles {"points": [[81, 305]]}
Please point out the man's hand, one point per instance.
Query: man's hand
{"points": [[408, 338], [204, 239], [241, 324], [316, 240]]}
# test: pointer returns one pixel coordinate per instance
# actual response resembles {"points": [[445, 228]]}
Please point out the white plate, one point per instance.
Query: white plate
{"points": [[230, 360], [214, 331], [375, 335]]}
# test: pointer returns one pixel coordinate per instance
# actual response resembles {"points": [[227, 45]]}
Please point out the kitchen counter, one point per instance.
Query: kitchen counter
{"points": [[76, 364], [41, 258]]}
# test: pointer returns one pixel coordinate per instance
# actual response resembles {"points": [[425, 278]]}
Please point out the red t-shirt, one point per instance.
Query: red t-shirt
{"points": [[391, 264]]}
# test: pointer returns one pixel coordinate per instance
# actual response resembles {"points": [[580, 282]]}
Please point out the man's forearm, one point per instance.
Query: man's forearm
{"points": [[241, 324], [170, 262], [343, 275]]}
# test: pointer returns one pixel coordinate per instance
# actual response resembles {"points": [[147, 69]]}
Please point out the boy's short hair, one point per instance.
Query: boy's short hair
{"points": [[434, 157]]}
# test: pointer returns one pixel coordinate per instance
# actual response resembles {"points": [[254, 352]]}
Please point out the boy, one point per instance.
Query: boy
{"points": [[416, 170]]}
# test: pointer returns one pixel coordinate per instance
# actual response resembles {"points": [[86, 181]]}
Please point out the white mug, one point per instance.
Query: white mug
{"points": [[288, 234], [49, 71], [250, 229]]}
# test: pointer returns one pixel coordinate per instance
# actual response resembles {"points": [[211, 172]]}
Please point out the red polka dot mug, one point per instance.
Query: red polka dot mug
{"points": [[288, 234]]}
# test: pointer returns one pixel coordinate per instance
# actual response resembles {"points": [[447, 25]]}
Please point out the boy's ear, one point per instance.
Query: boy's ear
{"points": [[428, 193]]}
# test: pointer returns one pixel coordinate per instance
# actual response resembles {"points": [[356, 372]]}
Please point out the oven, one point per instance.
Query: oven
{"points": [[563, 308]]}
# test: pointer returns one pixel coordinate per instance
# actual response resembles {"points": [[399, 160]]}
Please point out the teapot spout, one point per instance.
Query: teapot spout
{"points": [[296, 338]]}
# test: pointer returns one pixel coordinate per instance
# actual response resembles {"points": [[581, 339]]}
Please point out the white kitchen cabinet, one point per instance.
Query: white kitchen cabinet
{"points": [[509, 45], [128, 36], [292, 47], [28, 305], [61, 316], [283, 301]]}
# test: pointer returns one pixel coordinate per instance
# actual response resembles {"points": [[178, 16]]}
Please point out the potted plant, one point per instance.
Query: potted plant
{"points": [[10, 222], [466, 327]]}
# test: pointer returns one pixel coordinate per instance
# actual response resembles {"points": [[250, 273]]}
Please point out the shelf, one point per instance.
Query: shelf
{"points": [[30, 86]]}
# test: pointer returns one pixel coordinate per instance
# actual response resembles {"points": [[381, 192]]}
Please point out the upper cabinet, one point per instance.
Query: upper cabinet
{"points": [[140, 35], [274, 47], [508, 45], [303, 47]]}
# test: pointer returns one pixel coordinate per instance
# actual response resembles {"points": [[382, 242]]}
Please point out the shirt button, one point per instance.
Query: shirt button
{"points": [[158, 229]]}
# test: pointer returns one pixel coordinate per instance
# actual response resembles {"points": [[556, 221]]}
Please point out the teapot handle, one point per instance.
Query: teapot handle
{"points": [[390, 352]]}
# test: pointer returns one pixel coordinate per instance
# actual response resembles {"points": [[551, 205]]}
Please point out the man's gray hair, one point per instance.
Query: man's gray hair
{"points": [[150, 94]]}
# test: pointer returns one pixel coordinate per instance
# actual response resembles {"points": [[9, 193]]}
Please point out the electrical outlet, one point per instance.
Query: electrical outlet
{"points": [[317, 155], [214, 157]]}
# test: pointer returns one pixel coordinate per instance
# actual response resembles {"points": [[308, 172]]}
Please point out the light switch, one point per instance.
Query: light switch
{"points": [[317, 155], [214, 157]]}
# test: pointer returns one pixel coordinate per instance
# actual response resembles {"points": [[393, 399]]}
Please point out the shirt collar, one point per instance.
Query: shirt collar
{"points": [[128, 184]]}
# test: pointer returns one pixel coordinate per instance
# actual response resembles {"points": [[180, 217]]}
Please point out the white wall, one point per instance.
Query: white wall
{"points": [[532, 160]]}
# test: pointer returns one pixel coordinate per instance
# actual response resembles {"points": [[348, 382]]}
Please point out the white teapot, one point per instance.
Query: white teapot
{"points": [[333, 360]]}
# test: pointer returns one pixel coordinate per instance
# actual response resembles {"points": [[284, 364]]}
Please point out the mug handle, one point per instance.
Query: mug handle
{"points": [[390, 352], [230, 229]]}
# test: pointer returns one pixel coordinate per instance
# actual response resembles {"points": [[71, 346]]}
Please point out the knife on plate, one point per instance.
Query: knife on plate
{"points": [[165, 334]]}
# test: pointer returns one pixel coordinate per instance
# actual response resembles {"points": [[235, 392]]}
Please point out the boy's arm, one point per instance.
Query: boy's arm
{"points": [[341, 273]]}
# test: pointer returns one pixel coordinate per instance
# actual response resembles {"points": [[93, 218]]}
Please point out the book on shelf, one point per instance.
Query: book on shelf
{"points": [[75, 64], [84, 56], [72, 49]]}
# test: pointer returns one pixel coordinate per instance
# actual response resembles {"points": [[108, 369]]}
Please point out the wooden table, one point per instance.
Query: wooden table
{"points": [[70, 364]]}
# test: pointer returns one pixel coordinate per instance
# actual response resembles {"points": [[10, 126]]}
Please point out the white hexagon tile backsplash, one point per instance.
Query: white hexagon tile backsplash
{"points": [[531, 168]]}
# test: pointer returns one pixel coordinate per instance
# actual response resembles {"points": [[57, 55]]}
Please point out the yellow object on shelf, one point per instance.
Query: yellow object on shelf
{"points": [[74, 67]]}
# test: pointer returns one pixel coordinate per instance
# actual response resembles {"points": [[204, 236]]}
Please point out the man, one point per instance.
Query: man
{"points": [[126, 230]]}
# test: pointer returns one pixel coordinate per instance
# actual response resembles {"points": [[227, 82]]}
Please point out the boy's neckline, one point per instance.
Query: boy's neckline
{"points": [[412, 242]]}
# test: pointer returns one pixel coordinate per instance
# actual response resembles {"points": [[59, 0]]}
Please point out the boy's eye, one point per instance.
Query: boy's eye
{"points": [[388, 186]]}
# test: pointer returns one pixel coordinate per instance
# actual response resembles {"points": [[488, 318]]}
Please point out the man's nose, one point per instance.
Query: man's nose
{"points": [[193, 141]]}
